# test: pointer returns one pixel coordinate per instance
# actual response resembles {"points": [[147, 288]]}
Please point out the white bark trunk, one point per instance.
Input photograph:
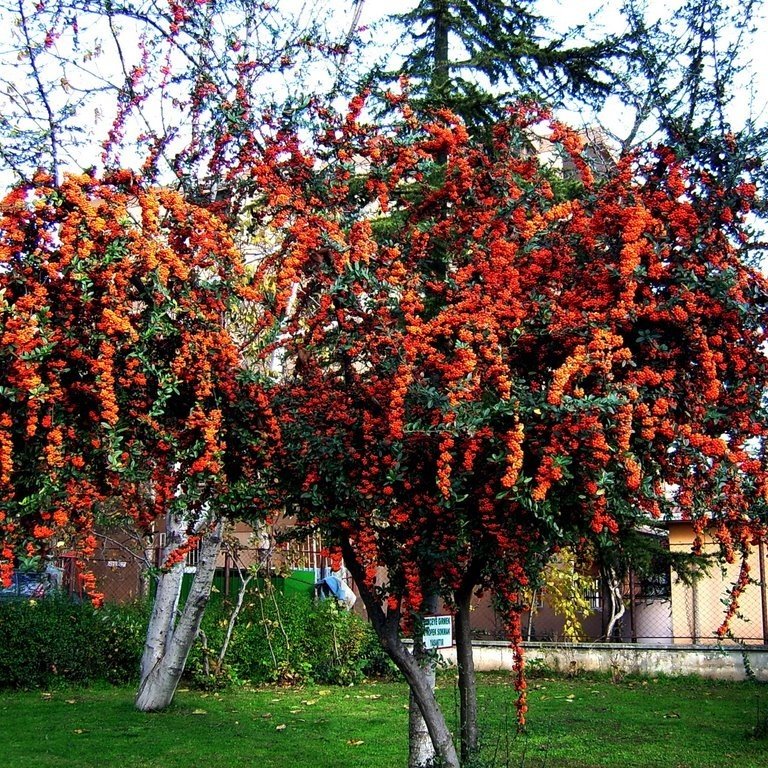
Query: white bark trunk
{"points": [[161, 671], [421, 751], [166, 602], [617, 602], [423, 692]]}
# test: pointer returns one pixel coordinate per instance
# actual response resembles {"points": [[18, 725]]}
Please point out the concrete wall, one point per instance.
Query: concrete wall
{"points": [[624, 658]]}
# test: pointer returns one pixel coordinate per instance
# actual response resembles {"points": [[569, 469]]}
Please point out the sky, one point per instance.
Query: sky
{"points": [[562, 13]]}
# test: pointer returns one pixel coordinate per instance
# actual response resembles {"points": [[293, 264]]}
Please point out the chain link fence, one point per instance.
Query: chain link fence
{"points": [[659, 610], [662, 609]]}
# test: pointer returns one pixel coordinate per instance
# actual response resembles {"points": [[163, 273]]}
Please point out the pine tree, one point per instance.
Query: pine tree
{"points": [[468, 55]]}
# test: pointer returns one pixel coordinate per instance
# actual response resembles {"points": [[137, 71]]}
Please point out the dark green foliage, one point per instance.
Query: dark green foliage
{"points": [[55, 640], [122, 630], [680, 74], [285, 638], [288, 638], [687, 84], [467, 55], [343, 647]]}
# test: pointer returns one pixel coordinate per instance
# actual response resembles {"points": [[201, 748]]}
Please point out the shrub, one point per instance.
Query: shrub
{"points": [[338, 642], [289, 638], [54, 639], [123, 630], [277, 638]]}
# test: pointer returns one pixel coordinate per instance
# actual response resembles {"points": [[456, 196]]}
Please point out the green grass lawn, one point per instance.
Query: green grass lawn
{"points": [[578, 723]]}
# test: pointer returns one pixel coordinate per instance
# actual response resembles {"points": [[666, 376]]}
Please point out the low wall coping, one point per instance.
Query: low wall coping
{"points": [[712, 661]]}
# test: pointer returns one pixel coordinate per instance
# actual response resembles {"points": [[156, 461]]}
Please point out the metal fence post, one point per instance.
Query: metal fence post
{"points": [[763, 590]]}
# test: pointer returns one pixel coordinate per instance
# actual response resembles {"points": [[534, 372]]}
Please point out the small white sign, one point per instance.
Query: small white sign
{"points": [[438, 631]]}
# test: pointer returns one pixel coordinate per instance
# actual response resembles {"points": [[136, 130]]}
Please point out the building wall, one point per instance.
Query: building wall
{"points": [[653, 622], [698, 610]]}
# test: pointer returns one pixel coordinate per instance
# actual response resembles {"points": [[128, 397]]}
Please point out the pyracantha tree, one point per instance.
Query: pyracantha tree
{"points": [[119, 378], [482, 364]]}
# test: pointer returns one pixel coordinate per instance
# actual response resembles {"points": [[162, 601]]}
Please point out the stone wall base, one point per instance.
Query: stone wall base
{"points": [[717, 663]]}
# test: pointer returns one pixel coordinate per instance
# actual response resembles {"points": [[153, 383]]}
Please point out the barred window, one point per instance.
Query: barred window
{"points": [[594, 595]]}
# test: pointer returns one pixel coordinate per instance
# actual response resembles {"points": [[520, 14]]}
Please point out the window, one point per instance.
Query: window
{"points": [[594, 596]]}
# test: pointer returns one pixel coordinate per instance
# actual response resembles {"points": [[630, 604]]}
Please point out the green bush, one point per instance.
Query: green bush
{"points": [[123, 630], [277, 638], [344, 647], [54, 639], [288, 638]]}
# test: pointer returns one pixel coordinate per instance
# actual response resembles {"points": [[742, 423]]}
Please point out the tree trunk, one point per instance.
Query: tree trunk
{"points": [[166, 602], [423, 691], [467, 680], [421, 752], [145, 575], [387, 629], [617, 602], [169, 641], [440, 66]]}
